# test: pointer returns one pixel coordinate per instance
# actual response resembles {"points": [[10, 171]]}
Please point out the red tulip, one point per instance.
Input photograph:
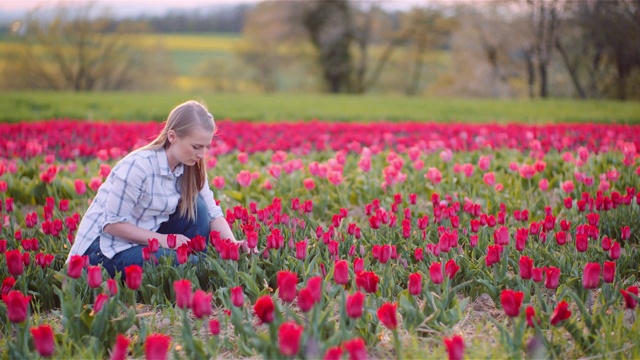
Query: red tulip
{"points": [[591, 276], [156, 346], [625, 233], [171, 240], [552, 277], [354, 305], [264, 308], [415, 284], [237, 296], [182, 253], [358, 265], [76, 264], [537, 274], [7, 285], [451, 268], [314, 284], [43, 340], [17, 306], [493, 254], [435, 272], [356, 349], [511, 302], [14, 261], [133, 276], [582, 242], [301, 250], [287, 282], [214, 327], [341, 272], [120, 348], [387, 315], [526, 267], [305, 300], [94, 276], [367, 280], [531, 315], [614, 251], [455, 347], [182, 289], [334, 353], [609, 271], [101, 299], [201, 304], [560, 313], [629, 300], [112, 287], [289, 338]]}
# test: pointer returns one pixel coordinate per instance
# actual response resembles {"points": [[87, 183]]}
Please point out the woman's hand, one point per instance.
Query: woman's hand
{"points": [[245, 246], [179, 240]]}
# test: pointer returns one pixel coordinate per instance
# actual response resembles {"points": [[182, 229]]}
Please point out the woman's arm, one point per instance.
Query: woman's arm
{"points": [[137, 235], [221, 225]]}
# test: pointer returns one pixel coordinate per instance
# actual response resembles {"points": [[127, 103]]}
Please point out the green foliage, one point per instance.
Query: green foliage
{"points": [[106, 106]]}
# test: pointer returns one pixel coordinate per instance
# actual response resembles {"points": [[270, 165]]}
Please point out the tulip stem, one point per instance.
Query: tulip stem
{"points": [[397, 343]]}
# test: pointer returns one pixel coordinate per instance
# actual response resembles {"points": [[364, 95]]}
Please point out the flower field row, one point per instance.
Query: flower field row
{"points": [[373, 240]]}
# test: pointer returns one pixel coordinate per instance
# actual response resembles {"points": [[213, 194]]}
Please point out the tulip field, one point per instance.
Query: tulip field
{"points": [[369, 240]]}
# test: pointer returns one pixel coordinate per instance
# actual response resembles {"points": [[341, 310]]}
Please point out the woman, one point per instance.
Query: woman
{"points": [[157, 190]]}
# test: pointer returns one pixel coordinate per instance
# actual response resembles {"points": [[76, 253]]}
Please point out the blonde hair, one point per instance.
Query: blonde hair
{"points": [[182, 119]]}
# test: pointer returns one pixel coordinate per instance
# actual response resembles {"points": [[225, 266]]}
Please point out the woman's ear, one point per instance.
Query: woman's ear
{"points": [[171, 136]]}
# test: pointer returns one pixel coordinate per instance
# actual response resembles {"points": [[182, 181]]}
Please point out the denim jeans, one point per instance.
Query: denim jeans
{"points": [[175, 225]]}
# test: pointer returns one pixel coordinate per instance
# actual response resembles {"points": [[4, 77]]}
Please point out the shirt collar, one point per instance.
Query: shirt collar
{"points": [[163, 161]]}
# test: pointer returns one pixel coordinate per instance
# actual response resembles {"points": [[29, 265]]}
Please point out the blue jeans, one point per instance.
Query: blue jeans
{"points": [[175, 225]]}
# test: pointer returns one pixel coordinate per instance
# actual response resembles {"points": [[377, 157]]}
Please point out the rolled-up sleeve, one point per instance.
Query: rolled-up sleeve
{"points": [[213, 209], [127, 185]]}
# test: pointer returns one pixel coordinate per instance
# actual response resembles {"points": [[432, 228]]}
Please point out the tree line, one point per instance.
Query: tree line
{"points": [[507, 48]]}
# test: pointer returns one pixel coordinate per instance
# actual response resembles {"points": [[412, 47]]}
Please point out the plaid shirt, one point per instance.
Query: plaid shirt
{"points": [[141, 190]]}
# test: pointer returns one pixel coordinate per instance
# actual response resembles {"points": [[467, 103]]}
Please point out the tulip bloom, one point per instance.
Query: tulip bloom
{"points": [[614, 251], [511, 302], [201, 304], [156, 346], [305, 300], [17, 306], [435, 272], [415, 284], [367, 280], [552, 277], [455, 347], [287, 282], [591, 276], [15, 263], [112, 287], [560, 313], [120, 348], [341, 272], [388, 316], [526, 267], [101, 299], [289, 338], [609, 272], [334, 353], [133, 274], [356, 348], [264, 308], [451, 268], [214, 327], [531, 315], [629, 300], [7, 285], [314, 284], [582, 242], [182, 289], [354, 304], [237, 296], [43, 340], [493, 254], [76, 264]]}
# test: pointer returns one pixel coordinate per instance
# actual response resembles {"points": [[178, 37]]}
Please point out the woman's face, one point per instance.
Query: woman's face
{"points": [[188, 149]]}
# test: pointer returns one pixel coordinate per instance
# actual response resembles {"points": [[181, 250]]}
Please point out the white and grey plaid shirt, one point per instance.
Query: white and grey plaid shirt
{"points": [[141, 190]]}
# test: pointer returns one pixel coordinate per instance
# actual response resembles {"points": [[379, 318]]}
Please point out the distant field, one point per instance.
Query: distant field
{"points": [[17, 106]]}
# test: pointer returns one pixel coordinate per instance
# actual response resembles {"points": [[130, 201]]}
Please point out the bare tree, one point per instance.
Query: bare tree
{"points": [[329, 25], [79, 50], [544, 22]]}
